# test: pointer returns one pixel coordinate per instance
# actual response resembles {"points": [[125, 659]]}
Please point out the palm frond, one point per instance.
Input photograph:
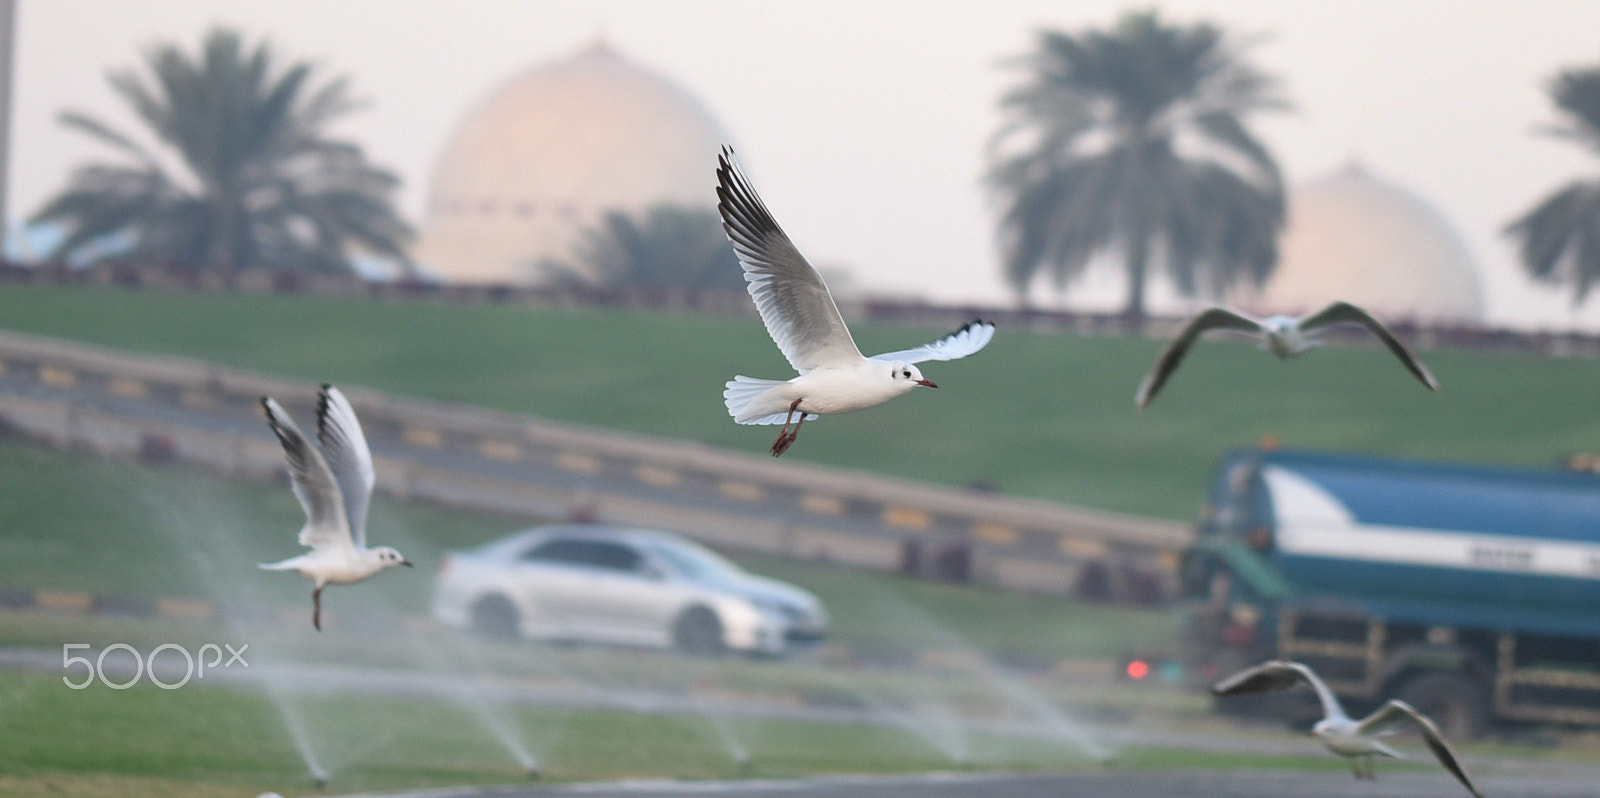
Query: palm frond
{"points": [[266, 187], [1093, 154]]}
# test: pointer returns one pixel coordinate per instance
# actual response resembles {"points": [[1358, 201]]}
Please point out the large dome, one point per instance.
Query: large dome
{"points": [[1352, 236], [549, 152]]}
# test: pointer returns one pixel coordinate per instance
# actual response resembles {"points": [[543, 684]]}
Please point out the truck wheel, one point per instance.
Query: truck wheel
{"points": [[698, 631], [493, 616], [1452, 699]]}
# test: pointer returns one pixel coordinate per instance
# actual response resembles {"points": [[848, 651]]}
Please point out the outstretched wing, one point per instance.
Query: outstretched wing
{"points": [[1277, 675], [1397, 712], [1208, 319], [312, 482], [790, 295], [1341, 312], [972, 336], [344, 447]]}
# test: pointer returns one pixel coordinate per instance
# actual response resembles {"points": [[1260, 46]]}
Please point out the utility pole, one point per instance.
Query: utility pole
{"points": [[8, 51]]}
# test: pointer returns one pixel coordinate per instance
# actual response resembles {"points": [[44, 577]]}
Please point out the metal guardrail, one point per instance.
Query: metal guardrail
{"points": [[522, 464]]}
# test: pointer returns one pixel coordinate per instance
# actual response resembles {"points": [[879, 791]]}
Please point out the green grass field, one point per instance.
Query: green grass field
{"points": [[1047, 415], [222, 741], [203, 740], [210, 741]]}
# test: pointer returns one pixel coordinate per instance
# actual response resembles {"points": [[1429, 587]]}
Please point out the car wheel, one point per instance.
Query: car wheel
{"points": [[698, 631], [1454, 701], [494, 616]]}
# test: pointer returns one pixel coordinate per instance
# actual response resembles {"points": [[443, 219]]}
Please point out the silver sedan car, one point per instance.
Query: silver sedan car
{"points": [[621, 585]]}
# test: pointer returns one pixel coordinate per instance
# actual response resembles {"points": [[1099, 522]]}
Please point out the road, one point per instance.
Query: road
{"points": [[1178, 784]]}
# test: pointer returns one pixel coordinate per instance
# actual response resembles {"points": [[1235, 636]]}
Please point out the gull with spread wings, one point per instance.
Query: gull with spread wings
{"points": [[333, 481], [1284, 336], [803, 321], [1356, 740]]}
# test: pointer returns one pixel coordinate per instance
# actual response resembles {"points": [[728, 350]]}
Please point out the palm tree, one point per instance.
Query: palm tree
{"points": [[1132, 140], [243, 175], [1559, 238], [668, 247]]}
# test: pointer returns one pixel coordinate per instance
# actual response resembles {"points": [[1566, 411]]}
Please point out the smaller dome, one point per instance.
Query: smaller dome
{"points": [[1354, 237]]}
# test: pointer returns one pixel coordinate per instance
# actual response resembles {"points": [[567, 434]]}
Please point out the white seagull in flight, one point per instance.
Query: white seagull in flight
{"points": [[803, 321], [1355, 740], [1284, 336], [333, 481]]}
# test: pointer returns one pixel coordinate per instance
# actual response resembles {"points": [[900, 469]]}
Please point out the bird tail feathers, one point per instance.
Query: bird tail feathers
{"points": [[741, 391]]}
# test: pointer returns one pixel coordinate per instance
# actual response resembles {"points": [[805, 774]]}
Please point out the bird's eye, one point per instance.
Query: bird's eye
{"points": [[906, 374]]}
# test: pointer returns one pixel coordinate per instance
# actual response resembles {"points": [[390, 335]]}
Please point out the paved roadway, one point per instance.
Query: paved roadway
{"points": [[553, 491], [1569, 783]]}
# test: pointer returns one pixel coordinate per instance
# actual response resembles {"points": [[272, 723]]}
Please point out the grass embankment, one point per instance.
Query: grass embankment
{"points": [[1047, 415]]}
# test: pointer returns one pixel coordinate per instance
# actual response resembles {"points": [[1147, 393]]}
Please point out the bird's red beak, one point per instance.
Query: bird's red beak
{"points": [[928, 383]]}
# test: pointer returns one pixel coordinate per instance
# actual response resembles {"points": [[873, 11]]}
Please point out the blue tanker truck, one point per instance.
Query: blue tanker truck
{"points": [[1471, 592]]}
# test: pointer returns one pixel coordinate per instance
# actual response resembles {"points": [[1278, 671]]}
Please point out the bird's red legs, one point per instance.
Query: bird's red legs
{"points": [[785, 437], [1361, 766], [316, 608]]}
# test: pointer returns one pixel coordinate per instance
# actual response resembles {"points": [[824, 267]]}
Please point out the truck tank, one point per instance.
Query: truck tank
{"points": [[1431, 542]]}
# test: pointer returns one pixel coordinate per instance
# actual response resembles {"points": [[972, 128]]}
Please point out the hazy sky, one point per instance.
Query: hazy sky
{"points": [[863, 122]]}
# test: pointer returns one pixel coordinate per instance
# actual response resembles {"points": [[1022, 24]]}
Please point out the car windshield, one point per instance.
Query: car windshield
{"points": [[696, 563]]}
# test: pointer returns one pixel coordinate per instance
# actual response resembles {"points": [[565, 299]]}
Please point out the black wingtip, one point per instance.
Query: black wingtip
{"points": [[284, 436]]}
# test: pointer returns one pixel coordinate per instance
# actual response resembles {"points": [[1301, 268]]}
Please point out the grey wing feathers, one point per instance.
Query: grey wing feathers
{"points": [[971, 337], [790, 295], [344, 447], [1172, 355], [1396, 712], [309, 476], [1267, 677], [1277, 675], [1339, 312]]}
